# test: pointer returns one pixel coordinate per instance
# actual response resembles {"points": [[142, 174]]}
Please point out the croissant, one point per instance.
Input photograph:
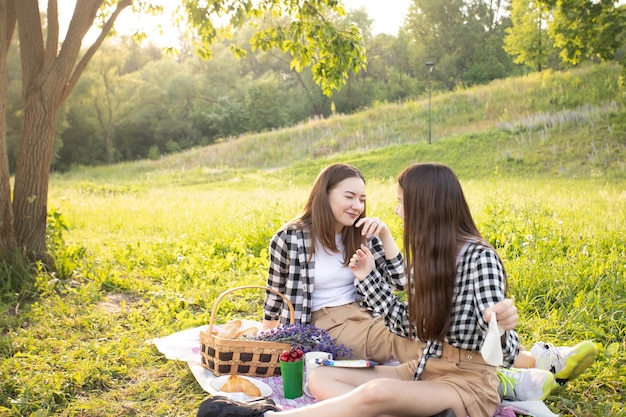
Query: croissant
{"points": [[235, 383]]}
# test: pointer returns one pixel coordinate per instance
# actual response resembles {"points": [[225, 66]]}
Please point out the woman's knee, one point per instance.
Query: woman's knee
{"points": [[376, 392]]}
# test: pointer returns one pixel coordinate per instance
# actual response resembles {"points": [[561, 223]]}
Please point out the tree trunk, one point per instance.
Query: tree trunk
{"points": [[7, 232], [32, 173], [48, 77]]}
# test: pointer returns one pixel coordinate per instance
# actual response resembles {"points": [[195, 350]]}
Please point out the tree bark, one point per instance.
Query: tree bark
{"points": [[32, 173], [7, 231]]}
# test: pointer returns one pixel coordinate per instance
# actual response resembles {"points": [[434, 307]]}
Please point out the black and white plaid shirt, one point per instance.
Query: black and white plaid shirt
{"points": [[292, 274], [480, 284]]}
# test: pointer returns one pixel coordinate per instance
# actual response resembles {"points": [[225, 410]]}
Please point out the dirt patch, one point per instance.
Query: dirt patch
{"points": [[113, 302]]}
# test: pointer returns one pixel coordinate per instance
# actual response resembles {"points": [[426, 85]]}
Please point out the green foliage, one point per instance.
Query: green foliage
{"points": [[154, 153], [17, 283], [584, 30], [66, 259], [312, 40], [463, 39], [527, 39], [131, 98]]}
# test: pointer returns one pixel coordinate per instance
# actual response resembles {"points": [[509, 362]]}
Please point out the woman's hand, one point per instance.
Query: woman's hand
{"points": [[506, 314], [372, 226], [362, 262]]}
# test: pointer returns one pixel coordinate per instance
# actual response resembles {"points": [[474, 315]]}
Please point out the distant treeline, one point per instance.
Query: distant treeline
{"points": [[134, 102]]}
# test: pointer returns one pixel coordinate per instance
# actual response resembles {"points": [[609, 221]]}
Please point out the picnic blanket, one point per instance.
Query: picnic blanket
{"points": [[185, 346]]}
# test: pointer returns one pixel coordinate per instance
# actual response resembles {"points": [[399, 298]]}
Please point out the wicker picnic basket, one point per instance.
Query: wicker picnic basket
{"points": [[244, 357]]}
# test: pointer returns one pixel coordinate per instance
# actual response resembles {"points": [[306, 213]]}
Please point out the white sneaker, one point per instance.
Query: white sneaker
{"points": [[566, 363], [518, 384]]}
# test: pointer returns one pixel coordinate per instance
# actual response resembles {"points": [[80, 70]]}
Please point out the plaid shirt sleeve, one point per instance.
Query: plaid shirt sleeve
{"points": [[489, 290], [289, 273], [392, 270], [279, 266], [480, 285], [376, 291]]}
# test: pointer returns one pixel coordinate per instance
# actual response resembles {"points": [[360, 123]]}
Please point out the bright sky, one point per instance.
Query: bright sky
{"points": [[387, 15]]}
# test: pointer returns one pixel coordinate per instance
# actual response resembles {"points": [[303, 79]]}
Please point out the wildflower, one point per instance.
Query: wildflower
{"points": [[305, 337]]}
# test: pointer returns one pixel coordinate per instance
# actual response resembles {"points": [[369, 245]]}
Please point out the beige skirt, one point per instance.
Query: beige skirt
{"points": [[367, 336], [475, 381]]}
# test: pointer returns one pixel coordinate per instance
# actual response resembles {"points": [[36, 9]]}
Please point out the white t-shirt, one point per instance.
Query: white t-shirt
{"points": [[334, 282]]}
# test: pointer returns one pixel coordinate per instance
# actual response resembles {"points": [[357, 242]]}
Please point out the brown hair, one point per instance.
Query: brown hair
{"points": [[437, 221], [317, 214]]}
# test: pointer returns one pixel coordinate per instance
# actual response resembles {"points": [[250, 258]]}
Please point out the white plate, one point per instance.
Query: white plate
{"points": [[265, 389], [307, 391]]}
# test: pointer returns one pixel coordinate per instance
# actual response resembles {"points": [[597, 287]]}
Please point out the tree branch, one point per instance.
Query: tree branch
{"points": [[7, 22], [52, 38], [82, 64], [30, 57], [82, 20]]}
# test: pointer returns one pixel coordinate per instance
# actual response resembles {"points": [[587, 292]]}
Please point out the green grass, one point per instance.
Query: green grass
{"points": [[143, 249]]}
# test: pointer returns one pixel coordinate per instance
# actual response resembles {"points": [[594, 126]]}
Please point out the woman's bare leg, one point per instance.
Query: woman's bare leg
{"points": [[385, 397], [525, 359], [328, 382]]}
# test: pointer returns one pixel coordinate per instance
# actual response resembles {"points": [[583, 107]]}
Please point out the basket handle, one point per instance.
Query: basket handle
{"points": [[219, 298]]}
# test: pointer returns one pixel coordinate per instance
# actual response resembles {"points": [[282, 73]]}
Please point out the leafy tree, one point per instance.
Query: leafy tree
{"points": [[108, 100], [82, 143], [587, 29], [463, 38], [264, 104], [51, 69], [229, 115], [527, 39], [138, 55], [102, 102]]}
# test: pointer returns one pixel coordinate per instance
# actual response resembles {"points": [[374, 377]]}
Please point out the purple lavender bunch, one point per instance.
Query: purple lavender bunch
{"points": [[305, 337]]}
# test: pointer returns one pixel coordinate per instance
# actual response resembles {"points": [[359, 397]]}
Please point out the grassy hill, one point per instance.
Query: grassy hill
{"points": [[143, 249], [558, 124]]}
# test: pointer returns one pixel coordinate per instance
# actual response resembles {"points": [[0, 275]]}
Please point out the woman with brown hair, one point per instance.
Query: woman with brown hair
{"points": [[309, 259]]}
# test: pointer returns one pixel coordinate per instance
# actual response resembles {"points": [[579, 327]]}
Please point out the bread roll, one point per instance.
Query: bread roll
{"points": [[235, 383], [229, 330]]}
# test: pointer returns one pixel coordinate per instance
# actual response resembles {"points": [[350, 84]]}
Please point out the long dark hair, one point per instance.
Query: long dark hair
{"points": [[437, 221], [317, 214]]}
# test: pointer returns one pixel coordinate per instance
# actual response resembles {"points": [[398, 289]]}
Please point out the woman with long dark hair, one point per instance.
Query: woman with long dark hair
{"points": [[309, 264]]}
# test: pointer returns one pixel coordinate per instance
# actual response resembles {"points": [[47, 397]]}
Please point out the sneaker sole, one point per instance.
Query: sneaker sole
{"points": [[583, 357]]}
